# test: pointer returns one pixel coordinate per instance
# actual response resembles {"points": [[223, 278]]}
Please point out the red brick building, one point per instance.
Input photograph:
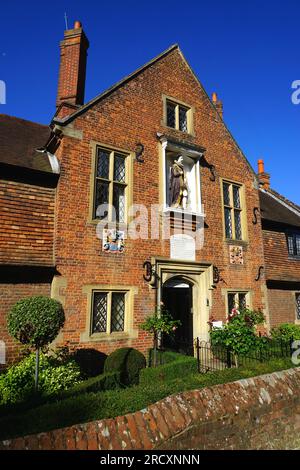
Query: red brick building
{"points": [[139, 163], [281, 237]]}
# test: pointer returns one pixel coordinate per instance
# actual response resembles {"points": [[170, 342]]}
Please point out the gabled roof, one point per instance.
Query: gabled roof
{"points": [[67, 119], [114, 87], [276, 208], [19, 141]]}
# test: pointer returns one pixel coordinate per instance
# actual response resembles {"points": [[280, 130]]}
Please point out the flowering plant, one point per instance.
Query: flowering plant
{"points": [[160, 322]]}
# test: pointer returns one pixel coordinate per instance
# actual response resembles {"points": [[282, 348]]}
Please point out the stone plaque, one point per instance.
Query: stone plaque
{"points": [[182, 247]]}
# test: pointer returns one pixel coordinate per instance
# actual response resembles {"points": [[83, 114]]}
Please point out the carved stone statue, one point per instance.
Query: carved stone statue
{"points": [[178, 186]]}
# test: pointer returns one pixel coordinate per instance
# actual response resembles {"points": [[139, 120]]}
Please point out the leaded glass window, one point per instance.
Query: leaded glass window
{"points": [[177, 116], [236, 300], [232, 211], [171, 114], [110, 186], [294, 244], [108, 312], [117, 311], [183, 123], [99, 312], [298, 306]]}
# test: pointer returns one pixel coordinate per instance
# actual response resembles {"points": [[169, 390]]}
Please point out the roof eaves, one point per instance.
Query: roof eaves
{"points": [[281, 200], [114, 87]]}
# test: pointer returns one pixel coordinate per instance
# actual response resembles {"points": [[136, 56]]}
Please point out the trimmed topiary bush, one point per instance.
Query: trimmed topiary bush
{"points": [[90, 361], [36, 321], [127, 361]]}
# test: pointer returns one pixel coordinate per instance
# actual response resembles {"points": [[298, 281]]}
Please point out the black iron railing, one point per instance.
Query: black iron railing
{"points": [[212, 357]]}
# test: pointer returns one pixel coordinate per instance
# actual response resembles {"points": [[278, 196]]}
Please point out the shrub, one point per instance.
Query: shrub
{"points": [[35, 320], [178, 368], [17, 384], [127, 361], [286, 332], [239, 333], [160, 322], [109, 381], [164, 356], [90, 361]]}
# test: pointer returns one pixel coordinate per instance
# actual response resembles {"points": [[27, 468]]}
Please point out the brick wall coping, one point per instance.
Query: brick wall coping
{"points": [[173, 423]]}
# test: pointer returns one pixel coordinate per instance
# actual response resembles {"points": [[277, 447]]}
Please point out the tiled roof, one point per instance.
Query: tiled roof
{"points": [[19, 140], [276, 208]]}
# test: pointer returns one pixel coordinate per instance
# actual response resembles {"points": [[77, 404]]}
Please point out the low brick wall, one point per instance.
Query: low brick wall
{"points": [[257, 413]]}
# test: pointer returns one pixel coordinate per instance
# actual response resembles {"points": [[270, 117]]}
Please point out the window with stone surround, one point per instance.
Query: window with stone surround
{"points": [[293, 240], [110, 185], [108, 312], [177, 115], [233, 207], [239, 300], [297, 298]]}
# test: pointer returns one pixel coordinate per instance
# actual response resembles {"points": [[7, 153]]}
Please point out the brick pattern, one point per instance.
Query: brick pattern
{"points": [[131, 114], [257, 413], [26, 224], [9, 295], [282, 306], [279, 266]]}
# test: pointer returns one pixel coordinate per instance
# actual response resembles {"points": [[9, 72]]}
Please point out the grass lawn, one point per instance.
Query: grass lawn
{"points": [[112, 403]]}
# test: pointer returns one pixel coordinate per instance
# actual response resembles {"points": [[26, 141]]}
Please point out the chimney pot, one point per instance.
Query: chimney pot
{"points": [[73, 56], [263, 177], [214, 97]]}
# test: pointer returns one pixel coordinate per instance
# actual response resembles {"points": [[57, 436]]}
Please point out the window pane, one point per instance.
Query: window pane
{"points": [[171, 122], [182, 119], [236, 197], [99, 312], [242, 301], [228, 224], [119, 168], [231, 302], [297, 245], [238, 225], [298, 306], [101, 198], [291, 244], [103, 164], [119, 202], [117, 311], [226, 194]]}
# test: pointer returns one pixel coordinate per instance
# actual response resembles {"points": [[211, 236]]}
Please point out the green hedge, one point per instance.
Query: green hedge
{"points": [[128, 362], [180, 366], [108, 381], [164, 357]]}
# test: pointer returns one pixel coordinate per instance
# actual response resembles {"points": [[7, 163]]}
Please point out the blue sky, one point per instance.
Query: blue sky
{"points": [[247, 51]]}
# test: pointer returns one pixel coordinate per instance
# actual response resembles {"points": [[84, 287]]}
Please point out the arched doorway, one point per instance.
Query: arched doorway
{"points": [[177, 297]]}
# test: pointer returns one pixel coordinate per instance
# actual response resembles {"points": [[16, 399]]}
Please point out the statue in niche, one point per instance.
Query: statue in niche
{"points": [[178, 188]]}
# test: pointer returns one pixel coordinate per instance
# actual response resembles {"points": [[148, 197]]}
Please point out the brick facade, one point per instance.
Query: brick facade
{"points": [[51, 227], [26, 224], [130, 114]]}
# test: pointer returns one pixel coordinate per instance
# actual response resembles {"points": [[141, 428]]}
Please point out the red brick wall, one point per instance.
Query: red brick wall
{"points": [[9, 295], [134, 114], [26, 224], [258, 413], [282, 306], [278, 264]]}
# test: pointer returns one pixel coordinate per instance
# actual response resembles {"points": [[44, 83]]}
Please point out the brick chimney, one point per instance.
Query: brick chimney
{"points": [[73, 55], [218, 104], [263, 177]]}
